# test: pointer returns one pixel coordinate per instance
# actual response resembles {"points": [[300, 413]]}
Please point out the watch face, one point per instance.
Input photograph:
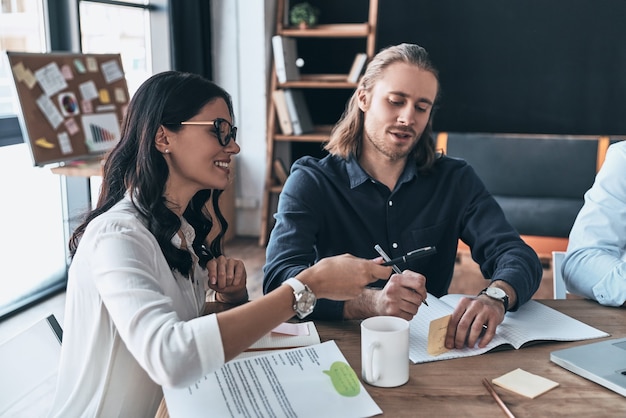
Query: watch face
{"points": [[495, 292], [306, 302]]}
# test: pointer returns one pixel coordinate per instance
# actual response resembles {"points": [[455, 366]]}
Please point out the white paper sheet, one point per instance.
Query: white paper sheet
{"points": [[313, 381]]}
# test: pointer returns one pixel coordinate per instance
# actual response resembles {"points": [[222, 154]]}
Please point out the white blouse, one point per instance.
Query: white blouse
{"points": [[131, 324]]}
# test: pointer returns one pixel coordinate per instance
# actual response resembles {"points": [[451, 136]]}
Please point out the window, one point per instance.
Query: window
{"points": [[33, 252], [109, 28], [36, 202]]}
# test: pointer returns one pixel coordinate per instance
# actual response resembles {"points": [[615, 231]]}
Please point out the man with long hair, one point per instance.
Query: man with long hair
{"points": [[384, 183]]}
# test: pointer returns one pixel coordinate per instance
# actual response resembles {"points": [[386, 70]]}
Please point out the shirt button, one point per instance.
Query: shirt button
{"points": [[391, 203], [394, 245]]}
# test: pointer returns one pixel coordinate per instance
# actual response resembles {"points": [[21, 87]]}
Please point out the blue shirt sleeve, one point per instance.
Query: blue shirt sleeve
{"points": [[595, 266]]}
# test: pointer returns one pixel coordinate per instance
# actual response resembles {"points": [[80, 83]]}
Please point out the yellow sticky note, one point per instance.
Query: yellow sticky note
{"points": [[525, 383], [104, 96], [437, 336], [18, 71], [44, 143]]}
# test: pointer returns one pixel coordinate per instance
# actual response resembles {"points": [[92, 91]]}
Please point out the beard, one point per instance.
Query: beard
{"points": [[394, 153]]}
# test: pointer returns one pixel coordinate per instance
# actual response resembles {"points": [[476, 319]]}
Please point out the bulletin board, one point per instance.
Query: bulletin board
{"points": [[71, 104]]}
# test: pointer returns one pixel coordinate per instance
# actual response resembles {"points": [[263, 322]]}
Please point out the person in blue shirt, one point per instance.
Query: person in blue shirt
{"points": [[595, 263], [384, 183]]}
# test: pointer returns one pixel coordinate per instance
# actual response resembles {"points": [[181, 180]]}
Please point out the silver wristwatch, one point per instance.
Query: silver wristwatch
{"points": [[497, 294], [304, 298]]}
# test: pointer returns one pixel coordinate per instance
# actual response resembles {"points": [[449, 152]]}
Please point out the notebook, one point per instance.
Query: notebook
{"points": [[603, 362]]}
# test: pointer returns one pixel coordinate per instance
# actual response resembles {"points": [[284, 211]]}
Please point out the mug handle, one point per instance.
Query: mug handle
{"points": [[372, 372]]}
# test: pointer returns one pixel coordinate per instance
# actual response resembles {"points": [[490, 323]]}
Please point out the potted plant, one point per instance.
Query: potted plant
{"points": [[303, 15]]}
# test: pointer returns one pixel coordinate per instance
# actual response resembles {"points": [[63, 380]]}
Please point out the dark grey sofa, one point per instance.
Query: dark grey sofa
{"points": [[538, 180]]}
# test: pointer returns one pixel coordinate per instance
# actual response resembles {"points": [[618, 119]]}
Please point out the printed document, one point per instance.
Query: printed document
{"points": [[313, 381]]}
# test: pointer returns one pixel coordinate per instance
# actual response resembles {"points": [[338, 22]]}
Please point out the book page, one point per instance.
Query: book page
{"points": [[534, 321], [276, 341], [308, 381]]}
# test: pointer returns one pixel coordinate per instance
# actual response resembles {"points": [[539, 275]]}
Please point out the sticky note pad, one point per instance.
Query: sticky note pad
{"points": [[437, 336], [524, 383]]}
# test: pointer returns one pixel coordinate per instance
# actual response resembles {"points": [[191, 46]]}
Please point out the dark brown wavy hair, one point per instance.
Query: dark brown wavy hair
{"points": [[136, 165], [346, 137]]}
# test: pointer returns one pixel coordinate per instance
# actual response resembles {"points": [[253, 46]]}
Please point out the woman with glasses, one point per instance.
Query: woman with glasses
{"points": [[143, 269]]}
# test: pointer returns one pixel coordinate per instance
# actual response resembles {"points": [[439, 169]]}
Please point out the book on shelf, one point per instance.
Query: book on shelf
{"points": [[280, 171], [357, 67], [282, 113], [285, 56], [298, 112], [533, 322]]}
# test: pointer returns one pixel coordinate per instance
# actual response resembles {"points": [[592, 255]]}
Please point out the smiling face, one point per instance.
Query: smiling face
{"points": [[397, 110], [195, 158]]}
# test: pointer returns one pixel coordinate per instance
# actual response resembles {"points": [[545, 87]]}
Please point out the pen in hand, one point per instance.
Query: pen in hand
{"points": [[392, 263], [385, 257], [411, 255]]}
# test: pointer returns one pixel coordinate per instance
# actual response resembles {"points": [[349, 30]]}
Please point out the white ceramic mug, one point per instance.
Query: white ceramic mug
{"points": [[385, 351]]}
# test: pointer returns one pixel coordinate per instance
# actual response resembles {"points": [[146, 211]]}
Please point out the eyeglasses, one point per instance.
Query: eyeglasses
{"points": [[224, 130]]}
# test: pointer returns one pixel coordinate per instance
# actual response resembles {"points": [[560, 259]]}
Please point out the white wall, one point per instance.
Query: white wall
{"points": [[241, 33]]}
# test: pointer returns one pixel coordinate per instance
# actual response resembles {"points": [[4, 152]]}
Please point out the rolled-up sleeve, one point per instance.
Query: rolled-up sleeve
{"points": [[132, 278]]}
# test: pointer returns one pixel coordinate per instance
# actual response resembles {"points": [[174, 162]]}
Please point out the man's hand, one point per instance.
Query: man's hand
{"points": [[474, 318], [402, 296]]}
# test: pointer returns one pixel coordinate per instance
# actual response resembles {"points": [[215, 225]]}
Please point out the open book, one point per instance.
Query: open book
{"points": [[533, 322], [284, 337]]}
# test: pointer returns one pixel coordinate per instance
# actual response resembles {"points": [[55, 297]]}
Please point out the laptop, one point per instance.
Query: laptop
{"points": [[602, 362]]}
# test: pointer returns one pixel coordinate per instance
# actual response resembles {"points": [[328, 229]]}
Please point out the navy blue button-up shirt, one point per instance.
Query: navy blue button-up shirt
{"points": [[332, 206]]}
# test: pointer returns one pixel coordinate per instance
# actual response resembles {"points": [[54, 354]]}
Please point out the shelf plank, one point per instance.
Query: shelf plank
{"points": [[341, 30], [317, 81], [320, 134]]}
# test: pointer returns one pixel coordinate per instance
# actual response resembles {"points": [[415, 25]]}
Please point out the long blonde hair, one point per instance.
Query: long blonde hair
{"points": [[345, 138]]}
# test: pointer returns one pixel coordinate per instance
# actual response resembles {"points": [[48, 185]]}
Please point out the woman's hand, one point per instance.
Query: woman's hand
{"points": [[342, 277], [227, 277]]}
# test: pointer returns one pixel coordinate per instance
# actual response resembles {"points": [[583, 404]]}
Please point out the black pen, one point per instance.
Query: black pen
{"points": [[389, 262], [411, 255], [385, 257]]}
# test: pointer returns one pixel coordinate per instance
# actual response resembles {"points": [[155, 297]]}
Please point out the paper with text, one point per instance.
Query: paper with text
{"points": [[314, 381], [533, 321]]}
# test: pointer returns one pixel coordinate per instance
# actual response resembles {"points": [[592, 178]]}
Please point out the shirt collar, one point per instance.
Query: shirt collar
{"points": [[358, 176], [188, 232]]}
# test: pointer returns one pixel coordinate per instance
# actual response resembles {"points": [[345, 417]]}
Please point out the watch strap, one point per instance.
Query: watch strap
{"points": [[295, 284]]}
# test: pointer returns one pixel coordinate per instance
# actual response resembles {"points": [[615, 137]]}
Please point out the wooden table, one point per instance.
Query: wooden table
{"points": [[453, 388]]}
